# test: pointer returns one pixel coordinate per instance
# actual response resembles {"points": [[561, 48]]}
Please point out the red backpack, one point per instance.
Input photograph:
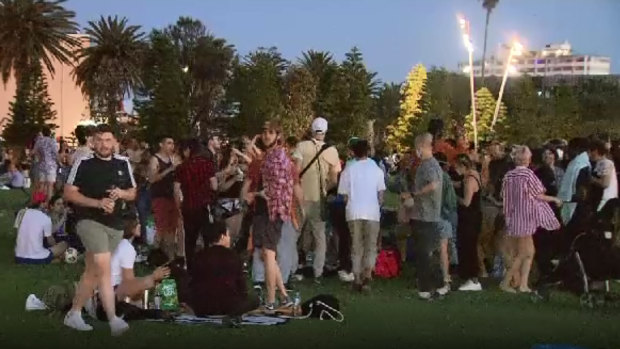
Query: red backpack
{"points": [[388, 263]]}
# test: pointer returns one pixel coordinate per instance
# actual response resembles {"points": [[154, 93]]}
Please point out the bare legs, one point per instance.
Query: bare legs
{"points": [[522, 249], [273, 277], [97, 273]]}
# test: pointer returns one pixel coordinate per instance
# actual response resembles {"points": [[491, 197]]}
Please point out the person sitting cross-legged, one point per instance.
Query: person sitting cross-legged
{"points": [[35, 226], [218, 285]]}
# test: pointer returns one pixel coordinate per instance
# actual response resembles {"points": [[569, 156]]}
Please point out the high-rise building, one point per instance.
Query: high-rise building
{"points": [[70, 104], [552, 60]]}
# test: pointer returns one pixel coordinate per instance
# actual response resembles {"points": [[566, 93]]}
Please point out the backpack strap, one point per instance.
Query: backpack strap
{"points": [[314, 159]]}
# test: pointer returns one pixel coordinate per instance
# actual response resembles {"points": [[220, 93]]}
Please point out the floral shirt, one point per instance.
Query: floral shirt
{"points": [[278, 179], [46, 151]]}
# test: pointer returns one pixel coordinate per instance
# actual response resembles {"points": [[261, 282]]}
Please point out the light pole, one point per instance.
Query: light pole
{"points": [[464, 25], [515, 50]]}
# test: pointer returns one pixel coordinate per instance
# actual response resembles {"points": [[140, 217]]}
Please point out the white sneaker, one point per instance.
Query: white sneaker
{"points": [[74, 320], [118, 326], [444, 290], [471, 285], [425, 295], [346, 277], [34, 303], [4, 187]]}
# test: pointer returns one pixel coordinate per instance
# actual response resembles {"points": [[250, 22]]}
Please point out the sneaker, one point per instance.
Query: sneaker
{"points": [[298, 277], [444, 290], [4, 187], [426, 296], [118, 326], [269, 308], [471, 285], [318, 280], [34, 303], [287, 302], [74, 320], [346, 277]]}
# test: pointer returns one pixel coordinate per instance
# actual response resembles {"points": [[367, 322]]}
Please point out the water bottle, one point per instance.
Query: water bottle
{"points": [[297, 304], [157, 299]]}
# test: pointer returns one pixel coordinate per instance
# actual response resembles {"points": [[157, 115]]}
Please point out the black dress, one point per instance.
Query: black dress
{"points": [[467, 232]]}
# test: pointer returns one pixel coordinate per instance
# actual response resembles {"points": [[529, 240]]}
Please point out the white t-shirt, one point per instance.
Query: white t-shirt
{"points": [[123, 258], [361, 181], [606, 168], [34, 227]]}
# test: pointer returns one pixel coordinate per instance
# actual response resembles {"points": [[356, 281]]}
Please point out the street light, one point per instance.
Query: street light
{"points": [[464, 25], [515, 50]]}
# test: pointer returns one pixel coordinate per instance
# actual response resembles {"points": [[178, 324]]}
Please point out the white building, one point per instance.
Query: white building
{"points": [[554, 59]]}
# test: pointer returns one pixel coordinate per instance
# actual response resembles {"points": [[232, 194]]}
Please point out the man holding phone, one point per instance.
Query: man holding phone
{"points": [[99, 187]]}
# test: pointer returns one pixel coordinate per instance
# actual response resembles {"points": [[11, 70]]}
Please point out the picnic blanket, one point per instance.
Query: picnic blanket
{"points": [[246, 320]]}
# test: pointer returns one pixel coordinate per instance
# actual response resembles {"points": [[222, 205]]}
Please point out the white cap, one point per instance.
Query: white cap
{"points": [[319, 125]]}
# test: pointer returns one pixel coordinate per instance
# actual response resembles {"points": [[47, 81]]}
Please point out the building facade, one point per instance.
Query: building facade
{"points": [[552, 60], [70, 104]]}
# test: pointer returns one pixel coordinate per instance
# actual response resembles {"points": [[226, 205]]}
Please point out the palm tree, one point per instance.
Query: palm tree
{"points": [[32, 31], [324, 70], [488, 5], [109, 69]]}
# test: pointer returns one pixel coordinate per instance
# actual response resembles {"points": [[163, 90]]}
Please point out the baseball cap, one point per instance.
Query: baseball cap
{"points": [[39, 198], [319, 125]]}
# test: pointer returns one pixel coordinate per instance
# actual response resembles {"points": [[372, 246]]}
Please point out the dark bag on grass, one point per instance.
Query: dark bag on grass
{"points": [[59, 298], [324, 307]]}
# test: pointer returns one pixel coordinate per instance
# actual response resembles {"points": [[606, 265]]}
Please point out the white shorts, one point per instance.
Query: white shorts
{"points": [[47, 177]]}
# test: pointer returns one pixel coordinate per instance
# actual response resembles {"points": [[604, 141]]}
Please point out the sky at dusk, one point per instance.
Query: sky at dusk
{"points": [[393, 35]]}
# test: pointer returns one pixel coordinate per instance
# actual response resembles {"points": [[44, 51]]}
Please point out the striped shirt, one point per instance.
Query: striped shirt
{"points": [[524, 212]]}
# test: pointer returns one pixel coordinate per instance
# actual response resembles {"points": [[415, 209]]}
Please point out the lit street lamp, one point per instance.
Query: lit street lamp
{"points": [[464, 25], [515, 50]]}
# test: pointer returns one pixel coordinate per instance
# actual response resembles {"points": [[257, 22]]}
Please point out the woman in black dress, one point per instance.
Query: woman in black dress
{"points": [[469, 223]]}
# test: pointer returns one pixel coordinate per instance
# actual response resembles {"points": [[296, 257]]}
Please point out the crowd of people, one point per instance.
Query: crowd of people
{"points": [[278, 204]]}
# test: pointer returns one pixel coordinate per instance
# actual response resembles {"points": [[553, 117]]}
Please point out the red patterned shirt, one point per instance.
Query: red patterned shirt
{"points": [[278, 179], [195, 175]]}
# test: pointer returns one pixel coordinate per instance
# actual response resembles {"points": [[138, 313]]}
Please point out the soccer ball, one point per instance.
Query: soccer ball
{"points": [[71, 255]]}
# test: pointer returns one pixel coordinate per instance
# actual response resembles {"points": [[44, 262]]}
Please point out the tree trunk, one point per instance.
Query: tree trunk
{"points": [[484, 49]]}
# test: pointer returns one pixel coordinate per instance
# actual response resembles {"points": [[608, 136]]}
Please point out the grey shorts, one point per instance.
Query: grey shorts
{"points": [[98, 238], [266, 234]]}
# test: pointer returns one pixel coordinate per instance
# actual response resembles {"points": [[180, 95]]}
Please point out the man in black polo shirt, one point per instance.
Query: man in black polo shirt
{"points": [[99, 186]]}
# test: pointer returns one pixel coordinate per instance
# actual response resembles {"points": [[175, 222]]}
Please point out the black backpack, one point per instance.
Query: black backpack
{"points": [[324, 307]]}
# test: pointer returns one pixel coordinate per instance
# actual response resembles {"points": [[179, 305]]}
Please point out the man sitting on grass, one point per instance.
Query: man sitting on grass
{"points": [[218, 285], [126, 284], [33, 227]]}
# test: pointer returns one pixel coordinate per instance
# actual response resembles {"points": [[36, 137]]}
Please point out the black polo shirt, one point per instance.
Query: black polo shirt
{"points": [[94, 177]]}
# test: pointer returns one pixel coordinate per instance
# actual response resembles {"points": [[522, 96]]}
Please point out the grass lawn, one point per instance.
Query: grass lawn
{"points": [[389, 317]]}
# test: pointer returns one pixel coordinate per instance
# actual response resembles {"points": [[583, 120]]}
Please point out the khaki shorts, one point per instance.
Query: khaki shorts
{"points": [[98, 238]]}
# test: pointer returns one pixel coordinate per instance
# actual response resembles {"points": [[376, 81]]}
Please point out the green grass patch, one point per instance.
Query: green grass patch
{"points": [[389, 317]]}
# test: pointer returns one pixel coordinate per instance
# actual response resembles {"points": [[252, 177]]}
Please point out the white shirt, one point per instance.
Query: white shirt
{"points": [[604, 168], [34, 227], [123, 258], [361, 181]]}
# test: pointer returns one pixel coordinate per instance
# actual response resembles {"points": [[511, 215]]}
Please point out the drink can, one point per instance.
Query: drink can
{"points": [[145, 300]]}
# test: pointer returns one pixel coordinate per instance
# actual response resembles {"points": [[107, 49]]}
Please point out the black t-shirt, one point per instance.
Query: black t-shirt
{"points": [[94, 177]]}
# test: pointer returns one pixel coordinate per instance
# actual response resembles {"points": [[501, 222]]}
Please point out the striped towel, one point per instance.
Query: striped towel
{"points": [[246, 320]]}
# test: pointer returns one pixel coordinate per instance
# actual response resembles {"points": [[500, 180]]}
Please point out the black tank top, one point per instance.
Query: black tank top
{"points": [[163, 188], [476, 199]]}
